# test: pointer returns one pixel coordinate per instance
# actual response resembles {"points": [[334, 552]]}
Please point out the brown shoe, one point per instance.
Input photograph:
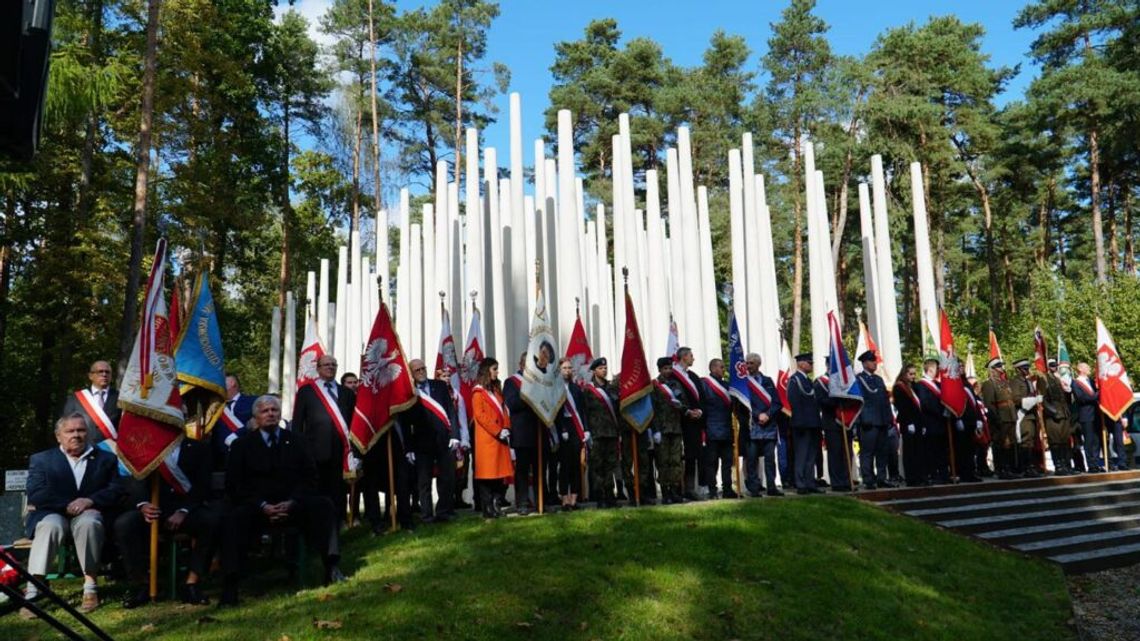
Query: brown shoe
{"points": [[90, 602]]}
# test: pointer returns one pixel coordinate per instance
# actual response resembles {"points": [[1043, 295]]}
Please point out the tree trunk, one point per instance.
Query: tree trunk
{"points": [[1094, 187], [458, 106], [375, 124], [357, 139], [1129, 253], [83, 206], [142, 174], [6, 268], [283, 274], [1009, 284], [1043, 227], [798, 244], [1113, 248]]}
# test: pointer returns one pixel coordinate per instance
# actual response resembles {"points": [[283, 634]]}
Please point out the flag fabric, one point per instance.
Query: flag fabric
{"points": [[201, 361], [995, 349], [971, 371], [929, 346], [634, 382], [1111, 377], [579, 353], [472, 355], [152, 423], [311, 351], [867, 342], [673, 343], [542, 386], [1040, 357], [737, 370], [954, 397], [842, 383], [385, 384], [447, 362], [176, 314], [1064, 365], [785, 372]]}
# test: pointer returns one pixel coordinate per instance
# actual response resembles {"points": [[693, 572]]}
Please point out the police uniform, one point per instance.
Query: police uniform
{"points": [[874, 420], [806, 425]]}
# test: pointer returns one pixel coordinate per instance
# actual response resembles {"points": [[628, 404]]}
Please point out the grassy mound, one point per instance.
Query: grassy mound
{"points": [[816, 568]]}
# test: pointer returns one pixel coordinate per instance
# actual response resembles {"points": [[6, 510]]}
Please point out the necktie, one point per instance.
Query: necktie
{"points": [[331, 387], [273, 439], [102, 398]]}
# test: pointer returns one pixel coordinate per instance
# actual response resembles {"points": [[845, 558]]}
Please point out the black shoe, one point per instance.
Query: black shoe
{"points": [[840, 488], [773, 492], [804, 491], [729, 494], [971, 479], [334, 575], [192, 595], [816, 490], [462, 505], [523, 511], [888, 484], [136, 599], [822, 483], [872, 486], [229, 598], [691, 496]]}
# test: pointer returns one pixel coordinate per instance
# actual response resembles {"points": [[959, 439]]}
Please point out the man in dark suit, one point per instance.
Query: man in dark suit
{"points": [[236, 414], [933, 435], [98, 403], [1086, 399], [179, 509], [692, 422], [70, 488], [433, 426], [806, 424], [762, 430], [524, 438], [322, 414], [875, 421], [271, 479]]}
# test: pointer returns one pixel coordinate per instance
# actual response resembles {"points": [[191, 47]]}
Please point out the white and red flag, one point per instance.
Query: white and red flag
{"points": [[152, 423], [1040, 357], [311, 352], [579, 352], [674, 341], [447, 362], [786, 369], [472, 355], [953, 384], [1111, 377], [385, 384]]}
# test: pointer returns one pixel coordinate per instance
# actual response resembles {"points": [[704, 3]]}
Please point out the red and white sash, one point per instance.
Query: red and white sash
{"points": [[230, 419], [334, 412], [494, 402], [572, 410], [932, 386], [517, 378], [1085, 386], [433, 406], [911, 394], [95, 412], [758, 389], [719, 390], [690, 388], [173, 474], [664, 389], [604, 398]]}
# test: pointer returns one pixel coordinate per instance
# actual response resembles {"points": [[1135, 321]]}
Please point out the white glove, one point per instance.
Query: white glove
{"points": [[979, 425], [512, 455], [958, 425], [910, 429], [1039, 398], [978, 429], [1029, 402], [657, 438], [452, 444], [411, 456], [504, 434], [353, 462], [566, 436], [675, 403], [1124, 423], [230, 439]]}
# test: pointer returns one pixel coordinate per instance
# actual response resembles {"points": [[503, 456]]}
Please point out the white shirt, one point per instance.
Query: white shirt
{"points": [[100, 395], [78, 465]]}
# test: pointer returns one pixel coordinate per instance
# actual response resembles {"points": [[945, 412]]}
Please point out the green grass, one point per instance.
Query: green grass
{"points": [[816, 568]]}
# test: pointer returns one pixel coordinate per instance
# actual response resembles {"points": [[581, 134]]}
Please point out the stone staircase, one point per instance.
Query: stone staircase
{"points": [[1083, 523]]}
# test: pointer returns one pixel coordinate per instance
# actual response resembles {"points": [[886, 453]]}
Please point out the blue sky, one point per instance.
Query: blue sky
{"points": [[524, 35]]}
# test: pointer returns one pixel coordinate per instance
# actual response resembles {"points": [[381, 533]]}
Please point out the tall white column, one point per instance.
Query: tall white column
{"points": [[533, 253], [428, 289], [708, 279], [739, 251], [888, 307], [403, 278], [694, 334], [274, 384], [507, 334], [819, 336], [758, 326], [591, 306], [310, 296], [637, 288], [289, 367], [551, 246], [870, 261], [415, 345], [657, 325], [768, 307], [495, 330], [676, 254], [620, 237], [520, 282], [570, 268], [340, 334], [455, 282], [383, 256], [323, 304], [355, 332], [922, 255]]}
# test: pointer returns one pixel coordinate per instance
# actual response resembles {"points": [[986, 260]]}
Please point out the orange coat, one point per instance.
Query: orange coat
{"points": [[492, 456]]}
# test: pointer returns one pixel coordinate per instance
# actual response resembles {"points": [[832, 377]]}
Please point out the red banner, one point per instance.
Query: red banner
{"points": [[1112, 378], [995, 349], [385, 384], [634, 382], [950, 371], [1040, 358], [579, 352]]}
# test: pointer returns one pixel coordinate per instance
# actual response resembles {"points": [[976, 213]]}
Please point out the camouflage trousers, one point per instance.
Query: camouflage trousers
{"points": [[644, 465], [603, 467], [670, 463]]}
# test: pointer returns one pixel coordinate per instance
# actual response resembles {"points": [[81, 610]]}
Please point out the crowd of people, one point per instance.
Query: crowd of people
{"points": [[297, 473]]}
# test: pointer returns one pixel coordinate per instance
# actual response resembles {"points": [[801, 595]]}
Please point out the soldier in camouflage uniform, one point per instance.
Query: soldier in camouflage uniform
{"points": [[1058, 422], [1027, 395], [667, 433], [998, 398], [601, 408], [644, 463]]}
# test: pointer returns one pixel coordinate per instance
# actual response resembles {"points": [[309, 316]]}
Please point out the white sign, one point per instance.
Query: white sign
{"points": [[15, 480]]}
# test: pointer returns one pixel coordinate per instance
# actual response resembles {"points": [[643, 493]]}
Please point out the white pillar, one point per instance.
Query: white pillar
{"points": [[676, 255], [274, 383], [340, 334], [476, 223], [740, 254], [493, 312], [551, 239], [352, 347], [533, 253], [415, 270], [694, 334], [758, 326], [289, 366], [819, 336], [520, 282], [768, 306], [569, 216], [708, 279], [656, 329], [310, 296], [428, 289], [456, 274], [870, 261], [403, 278], [621, 238], [383, 256], [323, 304], [888, 310], [923, 257], [502, 268]]}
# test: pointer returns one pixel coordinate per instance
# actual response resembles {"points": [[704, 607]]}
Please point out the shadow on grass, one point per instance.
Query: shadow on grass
{"points": [[790, 569]]}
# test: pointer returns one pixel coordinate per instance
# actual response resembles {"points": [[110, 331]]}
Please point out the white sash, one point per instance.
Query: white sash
{"points": [[230, 419], [603, 397], [434, 407], [683, 376], [494, 402], [719, 390], [334, 411], [173, 473], [759, 390], [572, 410], [98, 416], [667, 392]]}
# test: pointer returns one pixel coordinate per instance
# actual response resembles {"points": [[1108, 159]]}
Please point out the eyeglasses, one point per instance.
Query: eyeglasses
{"points": [[333, 364], [420, 369], [101, 371]]}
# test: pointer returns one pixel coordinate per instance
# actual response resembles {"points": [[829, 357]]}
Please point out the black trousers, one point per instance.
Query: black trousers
{"points": [[964, 447], [765, 447], [376, 481], [132, 535], [937, 449], [692, 456], [569, 466], [526, 466], [434, 458], [837, 451], [872, 454], [718, 455], [330, 483], [914, 456], [805, 442], [312, 515]]}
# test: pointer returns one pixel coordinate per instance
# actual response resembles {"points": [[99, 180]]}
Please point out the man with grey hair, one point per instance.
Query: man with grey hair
{"points": [[69, 489], [271, 479]]}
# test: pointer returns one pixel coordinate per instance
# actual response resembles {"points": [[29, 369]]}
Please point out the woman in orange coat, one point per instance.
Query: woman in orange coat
{"points": [[492, 433]]}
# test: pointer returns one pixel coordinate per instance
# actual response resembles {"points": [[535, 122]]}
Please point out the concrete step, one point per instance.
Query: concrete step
{"points": [[1080, 542], [1031, 533], [1098, 559], [1020, 504], [1010, 494], [988, 522], [989, 485]]}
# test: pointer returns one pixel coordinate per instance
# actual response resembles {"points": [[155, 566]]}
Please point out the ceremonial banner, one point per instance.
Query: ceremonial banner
{"points": [[201, 361], [737, 370], [929, 347], [867, 342], [1040, 358], [542, 386], [447, 362], [1064, 365], [995, 349], [971, 371], [842, 383], [785, 372], [1111, 377], [152, 422], [472, 355], [674, 341], [634, 382], [385, 384], [954, 397], [579, 353], [311, 351]]}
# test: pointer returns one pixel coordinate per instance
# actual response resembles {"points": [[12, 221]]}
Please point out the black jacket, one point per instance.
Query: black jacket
{"points": [[110, 408], [311, 420], [876, 410], [51, 483], [255, 473], [804, 402], [194, 459], [524, 422], [422, 424]]}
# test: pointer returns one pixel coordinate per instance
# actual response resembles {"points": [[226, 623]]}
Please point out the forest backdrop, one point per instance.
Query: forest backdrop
{"points": [[186, 118]]}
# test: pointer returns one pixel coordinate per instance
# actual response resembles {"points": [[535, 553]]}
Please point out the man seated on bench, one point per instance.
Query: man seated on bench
{"points": [[271, 479], [180, 509], [70, 487]]}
